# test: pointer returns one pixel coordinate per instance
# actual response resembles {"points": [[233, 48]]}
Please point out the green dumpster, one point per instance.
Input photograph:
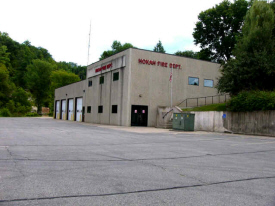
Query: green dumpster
{"points": [[184, 121]]}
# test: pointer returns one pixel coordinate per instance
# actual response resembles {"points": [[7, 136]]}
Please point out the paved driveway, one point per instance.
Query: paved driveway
{"points": [[53, 162]]}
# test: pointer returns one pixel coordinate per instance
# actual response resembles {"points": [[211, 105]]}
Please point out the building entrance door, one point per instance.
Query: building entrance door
{"points": [[139, 115], [78, 109], [57, 104], [63, 109], [70, 109]]}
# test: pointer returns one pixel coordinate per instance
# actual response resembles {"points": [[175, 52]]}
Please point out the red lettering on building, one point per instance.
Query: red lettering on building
{"points": [[108, 66], [159, 63]]}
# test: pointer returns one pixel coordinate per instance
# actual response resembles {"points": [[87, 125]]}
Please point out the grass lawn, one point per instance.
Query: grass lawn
{"points": [[211, 107]]}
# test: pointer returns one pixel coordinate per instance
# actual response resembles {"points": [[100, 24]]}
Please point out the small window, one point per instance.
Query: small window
{"points": [[100, 109], [101, 80], [208, 83], [193, 81], [89, 108], [114, 108], [90, 83], [116, 76]]}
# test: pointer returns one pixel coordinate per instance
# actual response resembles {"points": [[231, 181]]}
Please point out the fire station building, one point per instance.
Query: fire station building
{"points": [[127, 88]]}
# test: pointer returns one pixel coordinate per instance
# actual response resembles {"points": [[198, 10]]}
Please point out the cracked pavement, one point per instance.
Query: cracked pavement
{"points": [[53, 162]]}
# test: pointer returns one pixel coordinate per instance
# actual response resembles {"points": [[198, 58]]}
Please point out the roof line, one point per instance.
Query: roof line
{"points": [[71, 83], [154, 52]]}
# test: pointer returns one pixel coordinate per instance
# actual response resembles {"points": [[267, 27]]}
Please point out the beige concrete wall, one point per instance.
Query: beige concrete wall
{"points": [[71, 91], [111, 92], [209, 121], [151, 82], [256, 123]]}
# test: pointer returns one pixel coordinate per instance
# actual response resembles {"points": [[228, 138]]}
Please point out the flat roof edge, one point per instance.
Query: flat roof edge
{"points": [[71, 83], [154, 52]]}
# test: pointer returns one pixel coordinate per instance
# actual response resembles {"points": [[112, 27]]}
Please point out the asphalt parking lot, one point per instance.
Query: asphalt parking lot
{"points": [[52, 162]]}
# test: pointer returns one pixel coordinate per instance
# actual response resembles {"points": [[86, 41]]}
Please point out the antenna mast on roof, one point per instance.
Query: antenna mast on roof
{"points": [[89, 44]]}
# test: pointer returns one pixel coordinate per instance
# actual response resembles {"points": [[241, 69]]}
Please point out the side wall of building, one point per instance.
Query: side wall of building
{"points": [[150, 85], [110, 93], [72, 91]]}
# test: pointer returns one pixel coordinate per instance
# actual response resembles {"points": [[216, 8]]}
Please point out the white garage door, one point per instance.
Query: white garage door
{"points": [[79, 109], [57, 104], [63, 108], [71, 110]]}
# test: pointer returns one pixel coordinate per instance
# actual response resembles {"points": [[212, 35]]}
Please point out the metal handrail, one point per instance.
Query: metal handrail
{"points": [[185, 100], [197, 101], [167, 113]]}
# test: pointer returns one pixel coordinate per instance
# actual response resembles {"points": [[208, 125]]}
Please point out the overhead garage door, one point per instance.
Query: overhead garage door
{"points": [[71, 110], [63, 109], [79, 109], [57, 104]]}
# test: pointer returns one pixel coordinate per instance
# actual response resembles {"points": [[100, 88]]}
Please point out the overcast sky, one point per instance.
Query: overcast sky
{"points": [[62, 26]]}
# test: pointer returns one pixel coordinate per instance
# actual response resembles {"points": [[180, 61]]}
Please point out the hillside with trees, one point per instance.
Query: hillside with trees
{"points": [[29, 75], [217, 29], [249, 77]]}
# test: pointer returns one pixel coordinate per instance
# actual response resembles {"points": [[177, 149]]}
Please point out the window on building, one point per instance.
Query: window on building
{"points": [[101, 80], [90, 83], [193, 81], [114, 108], [208, 83], [100, 109], [116, 76], [89, 108]]}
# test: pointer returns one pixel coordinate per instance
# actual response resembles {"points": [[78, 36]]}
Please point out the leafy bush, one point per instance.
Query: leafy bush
{"points": [[32, 114], [5, 112], [11, 106], [17, 109], [252, 101]]}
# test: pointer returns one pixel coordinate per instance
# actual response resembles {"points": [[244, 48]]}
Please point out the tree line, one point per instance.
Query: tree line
{"points": [[29, 75]]}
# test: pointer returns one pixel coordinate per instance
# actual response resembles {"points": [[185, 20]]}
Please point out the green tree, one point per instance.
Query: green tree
{"points": [[38, 79], [254, 65], [217, 28], [116, 48], [17, 68], [19, 103], [6, 86], [187, 53], [61, 78], [72, 67], [159, 48], [4, 56], [204, 54], [21, 55]]}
